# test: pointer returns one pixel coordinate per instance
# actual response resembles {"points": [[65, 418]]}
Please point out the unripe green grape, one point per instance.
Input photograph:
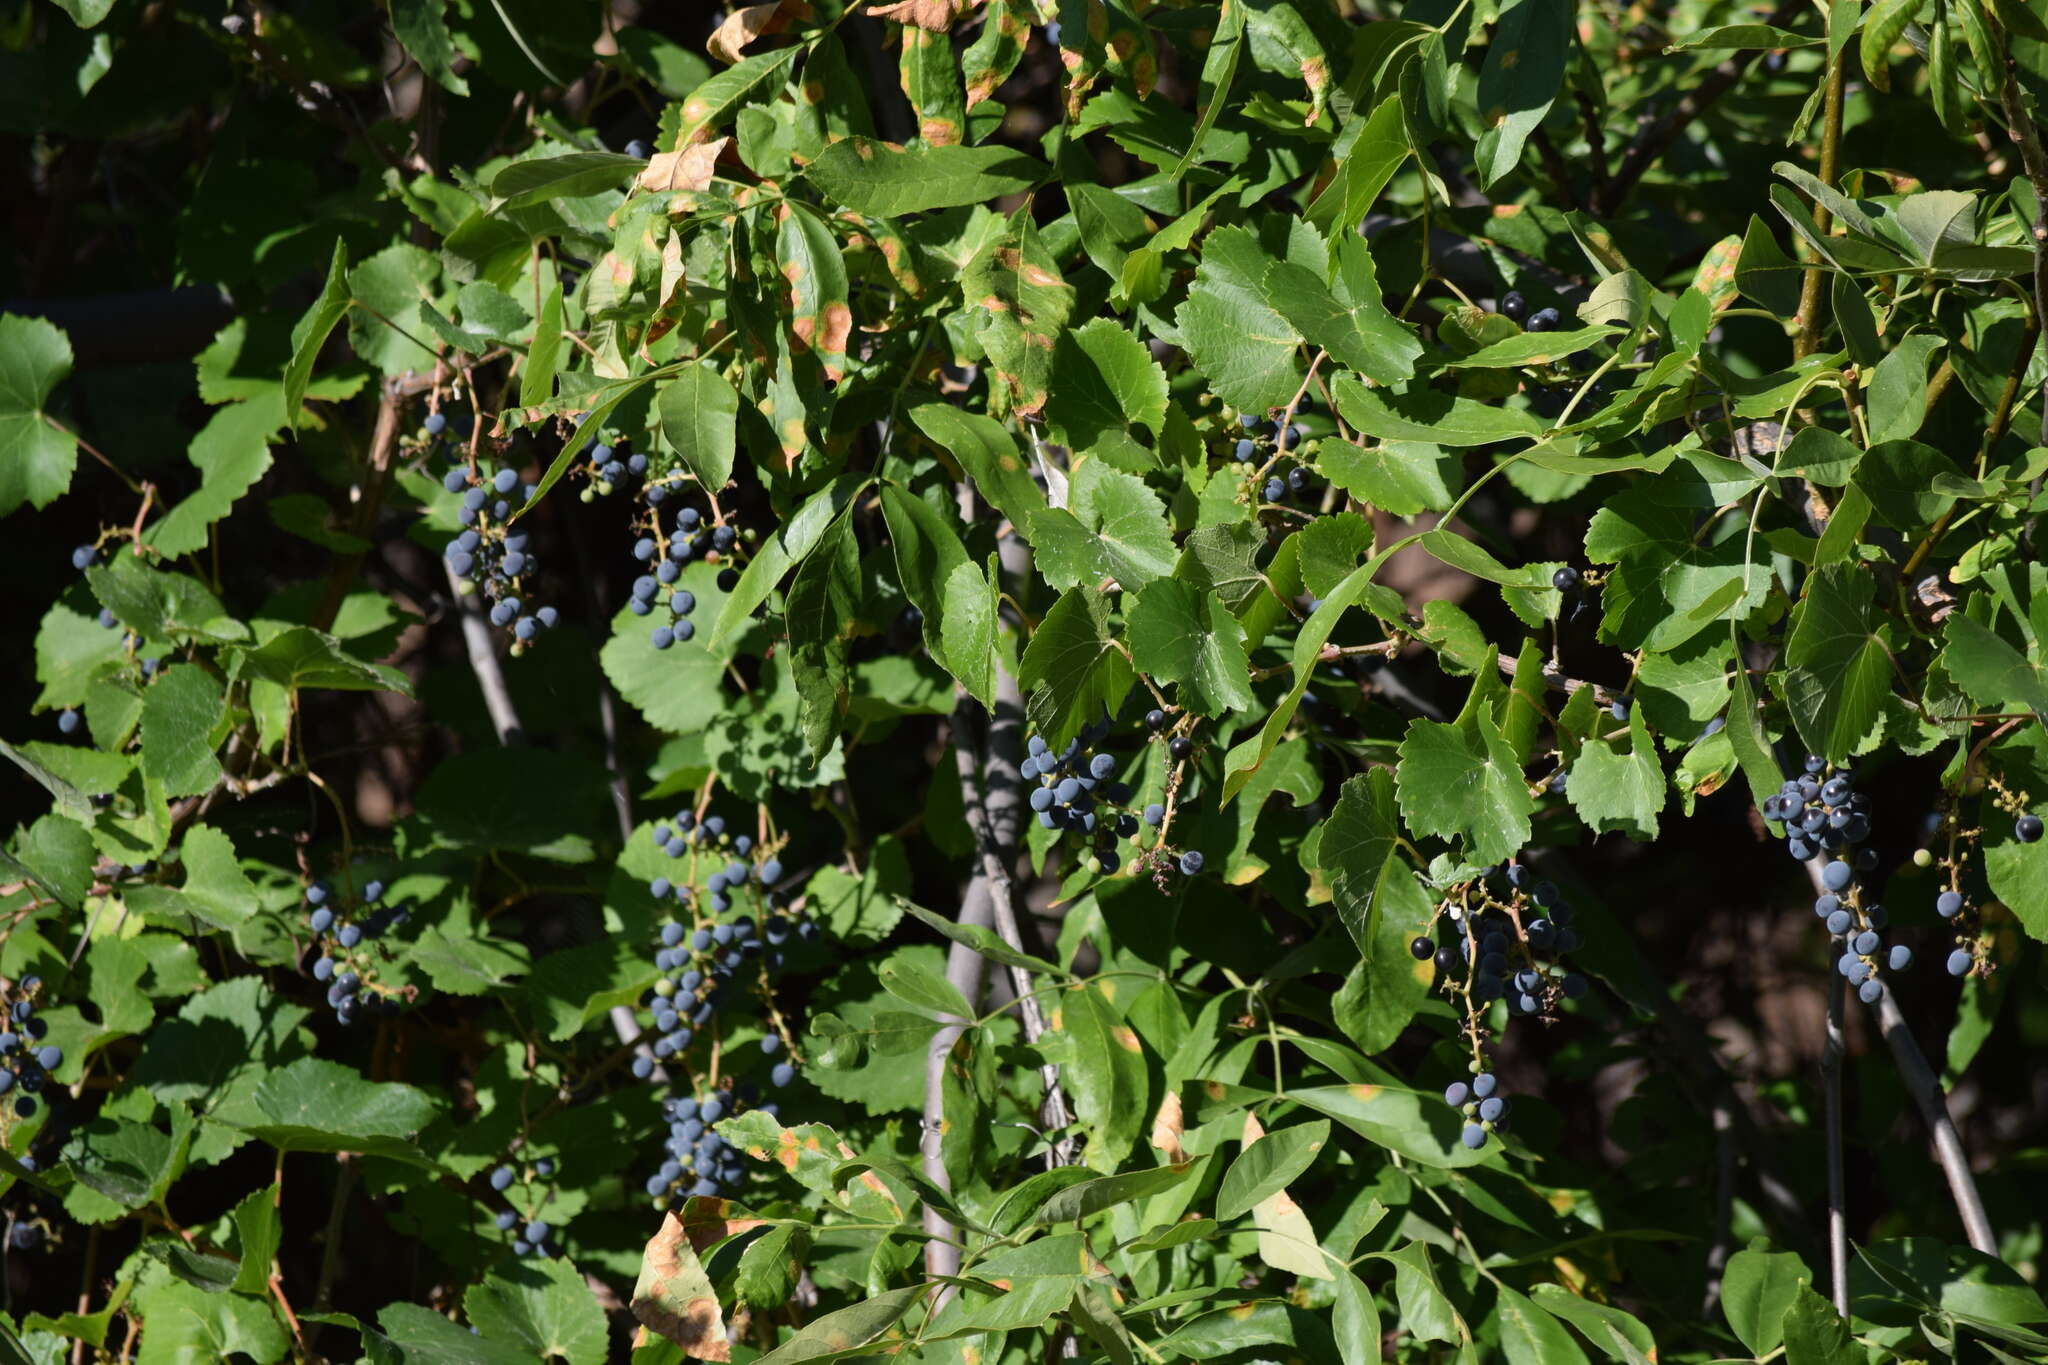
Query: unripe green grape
{"points": [[1923, 858]]}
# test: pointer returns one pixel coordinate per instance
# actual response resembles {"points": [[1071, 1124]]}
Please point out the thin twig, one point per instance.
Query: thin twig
{"points": [[1554, 167], [1596, 146], [1810, 287], [383, 455], [330, 1254]]}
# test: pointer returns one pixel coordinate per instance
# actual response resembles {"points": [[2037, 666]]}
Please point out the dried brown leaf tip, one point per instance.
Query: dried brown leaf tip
{"points": [[749, 22], [1168, 1125], [674, 1296], [688, 169], [933, 16]]}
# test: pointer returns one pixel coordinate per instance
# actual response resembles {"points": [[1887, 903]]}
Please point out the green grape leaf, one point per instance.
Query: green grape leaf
{"points": [[1072, 666], [421, 27], [969, 619], [1246, 350], [1839, 669], [1345, 318], [538, 179], [179, 712], [1995, 674], [1613, 789], [542, 1306], [823, 603], [37, 456], [1757, 1289], [1429, 416], [1530, 1336], [989, 454], [1115, 529], [1461, 780], [1106, 385], [1524, 68], [1181, 634], [1102, 1063], [311, 331]]}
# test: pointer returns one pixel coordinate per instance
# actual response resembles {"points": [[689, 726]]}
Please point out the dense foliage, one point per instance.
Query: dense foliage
{"points": [[989, 680]]}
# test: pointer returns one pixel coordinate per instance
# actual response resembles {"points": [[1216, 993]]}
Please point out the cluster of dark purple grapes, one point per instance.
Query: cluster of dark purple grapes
{"points": [[1826, 817], [492, 556], [1076, 790], [693, 538], [608, 467], [1071, 784], [345, 966], [1503, 948], [531, 1235], [1952, 906], [25, 1060], [1515, 308], [698, 1160], [1484, 1111], [1261, 439], [1297, 483], [700, 962], [445, 422]]}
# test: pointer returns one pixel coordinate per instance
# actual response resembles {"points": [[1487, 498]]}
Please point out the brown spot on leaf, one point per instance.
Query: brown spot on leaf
{"points": [[674, 1296], [1365, 1092], [1316, 72], [832, 344]]}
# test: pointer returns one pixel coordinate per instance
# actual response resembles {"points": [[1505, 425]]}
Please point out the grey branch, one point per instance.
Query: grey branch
{"points": [[1831, 1099], [992, 815], [1948, 1145], [966, 971]]}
